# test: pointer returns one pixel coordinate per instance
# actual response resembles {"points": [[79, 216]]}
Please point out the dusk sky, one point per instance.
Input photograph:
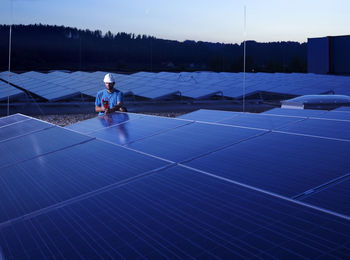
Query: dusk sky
{"points": [[199, 20]]}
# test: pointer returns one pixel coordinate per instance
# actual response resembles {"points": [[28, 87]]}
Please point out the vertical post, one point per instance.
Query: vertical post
{"points": [[9, 67], [244, 58], [151, 54]]}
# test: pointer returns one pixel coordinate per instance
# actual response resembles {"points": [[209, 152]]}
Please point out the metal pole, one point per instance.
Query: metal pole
{"points": [[9, 67], [244, 58]]}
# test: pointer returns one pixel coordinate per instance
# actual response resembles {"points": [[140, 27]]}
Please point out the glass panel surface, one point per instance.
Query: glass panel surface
{"points": [[101, 122], [295, 112], [320, 127], [187, 142], [181, 214], [22, 128], [281, 163], [133, 130], [32, 145], [335, 197], [62, 175], [12, 119], [209, 115], [260, 121]]}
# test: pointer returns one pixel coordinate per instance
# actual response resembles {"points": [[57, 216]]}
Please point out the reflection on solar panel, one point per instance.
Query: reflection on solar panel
{"points": [[12, 119], [209, 115], [119, 129], [68, 195]]}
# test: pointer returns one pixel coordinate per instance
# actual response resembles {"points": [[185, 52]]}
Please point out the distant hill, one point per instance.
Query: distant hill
{"points": [[44, 47]]}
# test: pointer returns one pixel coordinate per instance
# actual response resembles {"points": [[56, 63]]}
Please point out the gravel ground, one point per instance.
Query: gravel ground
{"points": [[64, 120]]}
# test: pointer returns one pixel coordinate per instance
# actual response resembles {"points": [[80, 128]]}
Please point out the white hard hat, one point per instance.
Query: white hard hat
{"points": [[109, 78]]}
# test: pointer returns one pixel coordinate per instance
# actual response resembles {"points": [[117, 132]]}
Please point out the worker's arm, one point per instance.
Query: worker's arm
{"points": [[116, 107], [99, 109]]}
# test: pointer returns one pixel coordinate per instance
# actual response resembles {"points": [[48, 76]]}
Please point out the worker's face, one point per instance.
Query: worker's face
{"points": [[110, 86]]}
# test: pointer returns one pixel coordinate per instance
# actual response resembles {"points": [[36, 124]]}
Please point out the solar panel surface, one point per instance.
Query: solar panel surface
{"points": [[192, 85], [209, 115], [334, 197], [81, 197], [177, 213], [193, 140], [286, 164]]}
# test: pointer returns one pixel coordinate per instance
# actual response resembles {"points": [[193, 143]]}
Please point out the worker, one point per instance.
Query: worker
{"points": [[110, 99]]}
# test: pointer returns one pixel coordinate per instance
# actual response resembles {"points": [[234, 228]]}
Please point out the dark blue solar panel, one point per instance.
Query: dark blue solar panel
{"points": [[21, 128], [12, 119], [345, 109], [28, 146], [192, 140], [178, 214], [137, 129], [334, 197], [268, 122], [209, 115], [295, 112], [59, 176], [340, 115], [101, 122], [281, 163], [320, 127]]}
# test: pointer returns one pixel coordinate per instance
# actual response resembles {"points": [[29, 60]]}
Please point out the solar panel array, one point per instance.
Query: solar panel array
{"points": [[8, 91], [39, 84], [195, 85], [151, 187]]}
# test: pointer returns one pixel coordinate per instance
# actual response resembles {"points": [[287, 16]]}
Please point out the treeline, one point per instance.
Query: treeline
{"points": [[44, 47]]}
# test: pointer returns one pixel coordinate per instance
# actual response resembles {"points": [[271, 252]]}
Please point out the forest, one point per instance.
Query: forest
{"points": [[45, 47]]}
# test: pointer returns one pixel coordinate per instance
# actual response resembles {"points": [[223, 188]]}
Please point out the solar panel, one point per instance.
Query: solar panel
{"points": [[22, 128], [209, 115], [177, 213], [140, 128], [192, 140], [42, 85], [8, 91], [320, 127], [342, 109], [102, 122], [26, 147], [286, 164], [66, 173], [66, 195], [332, 197], [295, 112], [12, 119], [339, 115], [193, 85], [262, 121]]}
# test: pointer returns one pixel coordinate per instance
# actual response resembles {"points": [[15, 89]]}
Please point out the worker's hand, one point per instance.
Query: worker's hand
{"points": [[108, 110]]}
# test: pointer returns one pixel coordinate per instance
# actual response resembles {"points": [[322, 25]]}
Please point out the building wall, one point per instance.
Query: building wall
{"points": [[329, 55], [318, 55], [340, 53]]}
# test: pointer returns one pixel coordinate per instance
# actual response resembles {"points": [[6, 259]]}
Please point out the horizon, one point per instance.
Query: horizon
{"points": [[206, 21], [181, 41]]}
